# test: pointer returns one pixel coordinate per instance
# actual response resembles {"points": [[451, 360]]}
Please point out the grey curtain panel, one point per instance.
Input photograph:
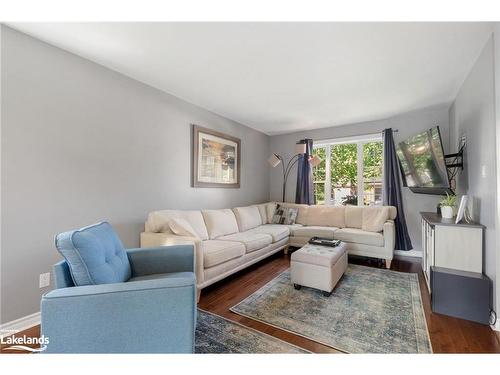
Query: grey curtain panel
{"points": [[392, 190], [304, 193]]}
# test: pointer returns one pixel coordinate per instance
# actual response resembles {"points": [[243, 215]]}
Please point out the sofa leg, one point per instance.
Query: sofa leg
{"points": [[198, 294], [388, 263], [285, 250]]}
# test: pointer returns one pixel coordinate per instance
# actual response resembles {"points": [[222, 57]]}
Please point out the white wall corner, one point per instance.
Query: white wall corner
{"points": [[496, 65]]}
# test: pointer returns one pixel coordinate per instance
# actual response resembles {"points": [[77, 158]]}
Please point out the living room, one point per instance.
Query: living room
{"points": [[243, 187]]}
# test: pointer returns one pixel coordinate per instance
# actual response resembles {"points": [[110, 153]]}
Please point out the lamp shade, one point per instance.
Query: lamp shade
{"points": [[274, 160], [315, 160], [300, 148]]}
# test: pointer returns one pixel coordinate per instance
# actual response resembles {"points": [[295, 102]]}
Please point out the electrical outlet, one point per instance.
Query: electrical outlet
{"points": [[483, 171], [44, 280]]}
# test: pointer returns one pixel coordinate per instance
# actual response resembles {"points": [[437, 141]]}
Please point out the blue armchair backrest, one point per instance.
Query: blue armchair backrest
{"points": [[62, 275], [94, 255]]}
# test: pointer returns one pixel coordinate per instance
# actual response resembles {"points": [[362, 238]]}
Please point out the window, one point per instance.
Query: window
{"points": [[350, 172]]}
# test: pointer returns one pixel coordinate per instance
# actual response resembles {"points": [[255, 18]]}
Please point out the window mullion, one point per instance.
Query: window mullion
{"points": [[328, 182], [361, 183]]}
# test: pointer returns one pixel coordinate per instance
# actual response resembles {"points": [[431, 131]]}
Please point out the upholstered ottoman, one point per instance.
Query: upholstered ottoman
{"points": [[319, 267]]}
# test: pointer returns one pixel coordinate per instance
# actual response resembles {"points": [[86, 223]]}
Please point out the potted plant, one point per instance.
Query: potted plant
{"points": [[447, 205]]}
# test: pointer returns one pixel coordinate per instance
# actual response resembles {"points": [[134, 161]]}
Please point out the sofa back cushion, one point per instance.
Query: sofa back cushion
{"points": [[95, 255], [159, 221], [354, 216], [248, 217], [266, 211], [374, 218], [393, 212], [302, 213], [326, 216], [220, 222]]}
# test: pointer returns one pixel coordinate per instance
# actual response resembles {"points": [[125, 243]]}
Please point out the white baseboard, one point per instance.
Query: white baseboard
{"points": [[410, 253], [20, 324], [496, 327]]}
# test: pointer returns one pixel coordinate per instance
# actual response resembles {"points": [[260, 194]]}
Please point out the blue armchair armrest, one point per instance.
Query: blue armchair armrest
{"points": [[163, 259], [150, 316]]}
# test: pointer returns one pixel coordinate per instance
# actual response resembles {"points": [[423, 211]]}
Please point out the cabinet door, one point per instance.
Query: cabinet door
{"points": [[459, 248]]}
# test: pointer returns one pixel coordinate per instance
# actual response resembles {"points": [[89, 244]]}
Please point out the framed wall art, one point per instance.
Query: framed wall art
{"points": [[216, 159]]}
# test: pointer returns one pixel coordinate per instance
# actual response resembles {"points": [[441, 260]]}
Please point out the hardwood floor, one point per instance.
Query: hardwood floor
{"points": [[448, 335]]}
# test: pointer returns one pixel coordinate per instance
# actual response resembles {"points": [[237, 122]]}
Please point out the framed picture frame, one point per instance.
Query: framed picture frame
{"points": [[461, 209], [216, 159]]}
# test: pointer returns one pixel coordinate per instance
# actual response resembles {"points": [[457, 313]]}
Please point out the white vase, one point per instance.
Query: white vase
{"points": [[447, 212]]}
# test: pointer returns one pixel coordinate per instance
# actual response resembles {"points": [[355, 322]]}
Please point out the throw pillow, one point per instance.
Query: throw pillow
{"points": [[181, 227], [285, 215]]}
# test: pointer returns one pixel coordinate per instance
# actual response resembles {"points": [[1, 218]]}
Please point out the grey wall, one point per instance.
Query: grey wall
{"points": [[407, 124], [81, 143], [473, 115]]}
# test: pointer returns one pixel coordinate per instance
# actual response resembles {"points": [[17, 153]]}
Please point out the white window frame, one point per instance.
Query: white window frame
{"points": [[360, 140]]}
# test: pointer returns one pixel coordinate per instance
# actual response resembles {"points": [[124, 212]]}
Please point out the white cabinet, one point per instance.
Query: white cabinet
{"points": [[449, 245]]}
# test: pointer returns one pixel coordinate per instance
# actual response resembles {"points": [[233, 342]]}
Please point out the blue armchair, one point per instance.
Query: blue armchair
{"points": [[152, 311]]}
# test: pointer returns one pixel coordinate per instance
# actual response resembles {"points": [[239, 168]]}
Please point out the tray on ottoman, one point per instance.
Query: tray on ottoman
{"points": [[319, 267]]}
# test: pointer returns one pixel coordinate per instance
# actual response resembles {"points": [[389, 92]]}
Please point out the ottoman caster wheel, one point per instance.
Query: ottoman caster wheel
{"points": [[297, 286], [327, 294]]}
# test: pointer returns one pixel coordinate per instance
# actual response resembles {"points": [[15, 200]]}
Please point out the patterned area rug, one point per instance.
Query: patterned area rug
{"points": [[215, 334], [371, 310]]}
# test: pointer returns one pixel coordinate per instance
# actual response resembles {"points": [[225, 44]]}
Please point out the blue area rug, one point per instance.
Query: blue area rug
{"points": [[215, 334], [371, 310]]}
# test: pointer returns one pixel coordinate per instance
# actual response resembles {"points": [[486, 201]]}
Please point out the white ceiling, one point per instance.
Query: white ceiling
{"points": [[284, 77]]}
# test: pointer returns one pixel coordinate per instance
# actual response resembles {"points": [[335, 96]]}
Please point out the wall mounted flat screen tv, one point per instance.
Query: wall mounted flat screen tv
{"points": [[422, 162]]}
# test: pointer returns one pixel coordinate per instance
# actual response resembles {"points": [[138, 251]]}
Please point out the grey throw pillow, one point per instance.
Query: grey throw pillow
{"points": [[285, 215]]}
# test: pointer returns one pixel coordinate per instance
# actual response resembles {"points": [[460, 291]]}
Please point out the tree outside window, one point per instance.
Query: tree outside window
{"points": [[354, 176]]}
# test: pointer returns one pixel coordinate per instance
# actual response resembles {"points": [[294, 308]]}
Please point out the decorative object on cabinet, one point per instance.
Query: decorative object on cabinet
{"points": [[462, 210], [447, 205]]}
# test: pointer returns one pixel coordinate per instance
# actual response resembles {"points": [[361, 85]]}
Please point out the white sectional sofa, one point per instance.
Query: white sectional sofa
{"points": [[228, 240]]}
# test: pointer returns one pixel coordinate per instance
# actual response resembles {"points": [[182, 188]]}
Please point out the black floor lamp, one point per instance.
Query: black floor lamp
{"points": [[276, 159]]}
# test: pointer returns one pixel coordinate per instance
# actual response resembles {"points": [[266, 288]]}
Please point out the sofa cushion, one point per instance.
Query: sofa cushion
{"points": [[95, 255], [270, 208], [266, 211], [216, 252], [262, 212], [374, 218], [354, 216], [220, 222], [393, 212], [181, 227], [247, 217], [326, 216], [252, 241], [285, 215], [359, 236], [301, 215], [277, 232], [159, 221], [314, 231]]}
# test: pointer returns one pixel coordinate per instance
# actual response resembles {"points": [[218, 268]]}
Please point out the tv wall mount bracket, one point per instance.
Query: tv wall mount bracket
{"points": [[455, 160]]}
